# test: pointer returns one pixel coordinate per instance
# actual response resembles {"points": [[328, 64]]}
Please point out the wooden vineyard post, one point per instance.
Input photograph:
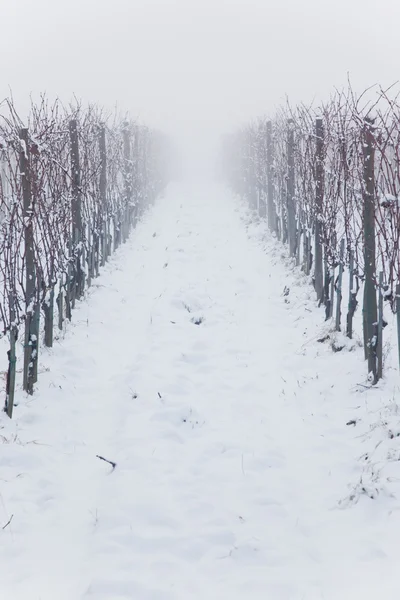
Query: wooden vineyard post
{"points": [[398, 317], [48, 309], [270, 185], [31, 334], [352, 297], [290, 200], [96, 251], [136, 175], [262, 203], [306, 261], [116, 232], [127, 182], [370, 306], [250, 175], [36, 328], [103, 195], [380, 327], [299, 232], [76, 211], [10, 390], [318, 260], [339, 287], [327, 287], [332, 292], [69, 285], [90, 256], [60, 303]]}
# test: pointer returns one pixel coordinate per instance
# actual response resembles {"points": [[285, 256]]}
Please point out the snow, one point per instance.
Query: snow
{"points": [[237, 472]]}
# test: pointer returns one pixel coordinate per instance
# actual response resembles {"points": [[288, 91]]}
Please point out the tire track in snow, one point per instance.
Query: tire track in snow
{"points": [[200, 467]]}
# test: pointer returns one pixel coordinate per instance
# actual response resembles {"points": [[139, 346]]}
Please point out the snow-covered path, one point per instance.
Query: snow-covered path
{"points": [[186, 367]]}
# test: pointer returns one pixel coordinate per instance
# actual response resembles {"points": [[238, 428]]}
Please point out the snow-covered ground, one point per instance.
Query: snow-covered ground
{"points": [[237, 474]]}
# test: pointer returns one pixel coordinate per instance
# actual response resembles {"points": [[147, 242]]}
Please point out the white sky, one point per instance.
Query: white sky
{"points": [[195, 68]]}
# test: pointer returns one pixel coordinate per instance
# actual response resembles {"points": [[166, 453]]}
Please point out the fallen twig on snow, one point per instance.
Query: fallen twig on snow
{"points": [[8, 522]]}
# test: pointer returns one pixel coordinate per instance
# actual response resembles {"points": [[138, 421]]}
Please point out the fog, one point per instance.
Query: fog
{"points": [[195, 68]]}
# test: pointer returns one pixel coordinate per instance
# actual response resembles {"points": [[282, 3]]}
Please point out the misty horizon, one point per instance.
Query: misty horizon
{"points": [[195, 70]]}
